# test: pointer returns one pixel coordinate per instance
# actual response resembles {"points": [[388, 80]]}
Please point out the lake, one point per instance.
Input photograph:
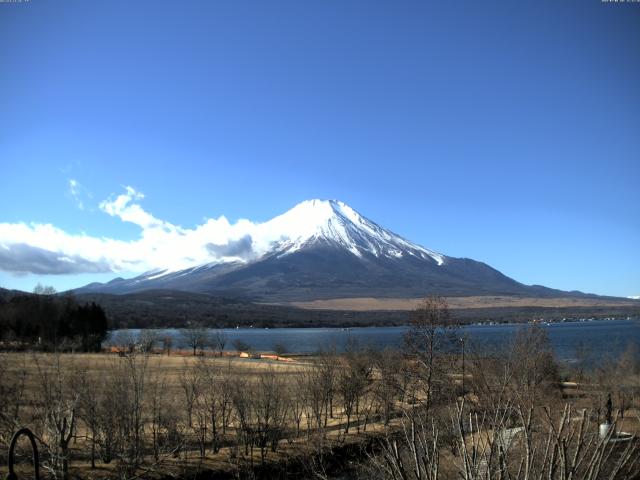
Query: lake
{"points": [[602, 338]]}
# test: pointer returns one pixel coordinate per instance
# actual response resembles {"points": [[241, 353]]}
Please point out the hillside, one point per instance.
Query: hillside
{"points": [[327, 250], [161, 308]]}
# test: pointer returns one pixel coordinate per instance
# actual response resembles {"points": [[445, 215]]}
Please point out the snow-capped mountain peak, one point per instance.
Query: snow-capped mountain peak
{"points": [[336, 223], [316, 239]]}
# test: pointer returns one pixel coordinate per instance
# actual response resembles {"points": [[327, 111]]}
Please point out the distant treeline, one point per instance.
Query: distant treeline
{"points": [[175, 309], [51, 322]]}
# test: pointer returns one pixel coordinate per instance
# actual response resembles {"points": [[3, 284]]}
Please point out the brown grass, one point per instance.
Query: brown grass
{"points": [[395, 304], [171, 367]]}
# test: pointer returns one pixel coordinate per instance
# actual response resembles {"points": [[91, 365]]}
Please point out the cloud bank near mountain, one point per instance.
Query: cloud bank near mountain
{"points": [[46, 249]]}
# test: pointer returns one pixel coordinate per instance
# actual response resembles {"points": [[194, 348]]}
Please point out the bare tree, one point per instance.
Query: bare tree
{"points": [[40, 289], [218, 341], [428, 338], [124, 341], [156, 407], [327, 368], [227, 376], [535, 369], [167, 343], [195, 338], [412, 454], [89, 402], [388, 386], [242, 396], [297, 396], [163, 422], [513, 442], [147, 340], [190, 380], [352, 382], [57, 411], [620, 377], [214, 395], [128, 393], [270, 410], [554, 447], [524, 372], [109, 402], [316, 397]]}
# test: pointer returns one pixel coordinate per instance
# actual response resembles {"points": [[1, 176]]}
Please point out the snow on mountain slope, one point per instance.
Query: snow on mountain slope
{"points": [[311, 222], [336, 223]]}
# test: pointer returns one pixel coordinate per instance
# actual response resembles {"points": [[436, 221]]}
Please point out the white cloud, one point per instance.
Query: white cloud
{"points": [[124, 208], [22, 258], [74, 191], [78, 193], [44, 248]]}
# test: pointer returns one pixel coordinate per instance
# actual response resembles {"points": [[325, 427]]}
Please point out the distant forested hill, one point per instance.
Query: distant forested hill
{"points": [[161, 308]]}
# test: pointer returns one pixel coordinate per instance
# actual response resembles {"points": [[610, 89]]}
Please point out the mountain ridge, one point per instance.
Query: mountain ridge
{"points": [[322, 249]]}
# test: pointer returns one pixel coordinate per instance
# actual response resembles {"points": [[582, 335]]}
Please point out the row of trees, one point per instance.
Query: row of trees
{"points": [[48, 321], [197, 339]]}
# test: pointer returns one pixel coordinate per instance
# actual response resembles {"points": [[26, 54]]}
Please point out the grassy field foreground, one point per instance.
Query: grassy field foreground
{"points": [[152, 415], [172, 414]]}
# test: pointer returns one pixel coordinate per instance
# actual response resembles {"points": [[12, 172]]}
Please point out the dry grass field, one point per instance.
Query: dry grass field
{"points": [[182, 379], [407, 304]]}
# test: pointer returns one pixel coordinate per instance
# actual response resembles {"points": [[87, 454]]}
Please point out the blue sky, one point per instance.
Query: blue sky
{"points": [[507, 132]]}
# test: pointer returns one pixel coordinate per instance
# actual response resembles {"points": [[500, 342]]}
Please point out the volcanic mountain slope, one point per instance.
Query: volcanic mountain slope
{"points": [[325, 249]]}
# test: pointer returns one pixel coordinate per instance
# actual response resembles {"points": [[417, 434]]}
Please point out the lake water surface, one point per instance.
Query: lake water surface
{"points": [[602, 338]]}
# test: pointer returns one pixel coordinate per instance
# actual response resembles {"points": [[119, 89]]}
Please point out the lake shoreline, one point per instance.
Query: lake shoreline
{"points": [[566, 337]]}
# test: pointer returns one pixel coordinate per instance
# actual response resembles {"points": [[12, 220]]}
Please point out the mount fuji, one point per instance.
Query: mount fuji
{"points": [[324, 249]]}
